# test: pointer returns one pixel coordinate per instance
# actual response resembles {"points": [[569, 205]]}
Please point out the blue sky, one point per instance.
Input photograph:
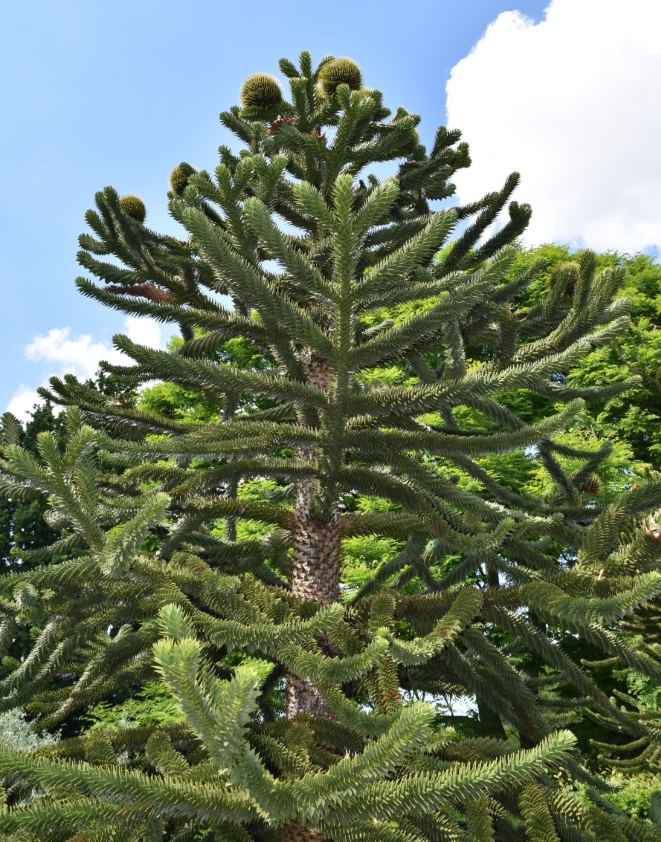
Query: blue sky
{"points": [[119, 92]]}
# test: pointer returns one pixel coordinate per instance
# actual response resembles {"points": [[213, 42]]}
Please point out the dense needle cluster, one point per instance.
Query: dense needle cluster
{"points": [[309, 710]]}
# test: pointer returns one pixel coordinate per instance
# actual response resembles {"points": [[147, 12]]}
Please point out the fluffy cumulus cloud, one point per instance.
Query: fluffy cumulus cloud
{"points": [[78, 355], [572, 103], [63, 353], [25, 397]]}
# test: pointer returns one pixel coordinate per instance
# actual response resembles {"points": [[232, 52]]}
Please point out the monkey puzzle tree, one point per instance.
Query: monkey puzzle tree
{"points": [[332, 278]]}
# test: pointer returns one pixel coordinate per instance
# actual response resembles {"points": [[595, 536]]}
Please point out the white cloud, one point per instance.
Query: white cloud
{"points": [[143, 331], [24, 399], [572, 103], [79, 355]]}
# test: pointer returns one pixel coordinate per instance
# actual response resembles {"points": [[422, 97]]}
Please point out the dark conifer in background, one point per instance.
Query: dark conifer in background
{"points": [[23, 528], [320, 261]]}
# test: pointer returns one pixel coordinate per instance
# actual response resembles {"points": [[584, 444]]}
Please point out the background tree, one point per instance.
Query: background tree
{"points": [[638, 351], [635, 351], [25, 532], [22, 526], [629, 424]]}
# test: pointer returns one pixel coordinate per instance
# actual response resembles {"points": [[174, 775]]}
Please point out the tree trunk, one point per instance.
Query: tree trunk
{"points": [[316, 576], [295, 832], [316, 564], [493, 580], [490, 722], [317, 546]]}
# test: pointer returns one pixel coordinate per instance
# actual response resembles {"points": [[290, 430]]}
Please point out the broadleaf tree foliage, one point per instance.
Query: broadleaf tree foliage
{"points": [[309, 711]]}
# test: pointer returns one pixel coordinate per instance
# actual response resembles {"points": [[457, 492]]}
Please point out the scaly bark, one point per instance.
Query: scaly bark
{"points": [[315, 575], [316, 563], [295, 832]]}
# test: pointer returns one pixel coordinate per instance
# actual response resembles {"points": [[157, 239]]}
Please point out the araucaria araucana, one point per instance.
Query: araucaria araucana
{"points": [[388, 344]]}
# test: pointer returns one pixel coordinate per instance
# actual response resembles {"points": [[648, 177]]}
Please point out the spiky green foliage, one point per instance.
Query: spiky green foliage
{"points": [[385, 351], [23, 528], [22, 525], [637, 350], [228, 773], [224, 772]]}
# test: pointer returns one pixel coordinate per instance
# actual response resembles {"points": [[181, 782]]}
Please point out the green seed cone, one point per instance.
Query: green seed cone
{"points": [[259, 91], [414, 142], [133, 206], [342, 71], [179, 177]]}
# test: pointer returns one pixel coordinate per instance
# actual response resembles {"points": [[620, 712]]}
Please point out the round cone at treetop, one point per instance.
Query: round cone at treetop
{"points": [[133, 206], [179, 177], [341, 71], [260, 90]]}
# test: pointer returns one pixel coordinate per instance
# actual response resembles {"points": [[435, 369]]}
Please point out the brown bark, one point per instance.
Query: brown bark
{"points": [[149, 291], [317, 546], [315, 576], [295, 832], [493, 580], [315, 564], [490, 722]]}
